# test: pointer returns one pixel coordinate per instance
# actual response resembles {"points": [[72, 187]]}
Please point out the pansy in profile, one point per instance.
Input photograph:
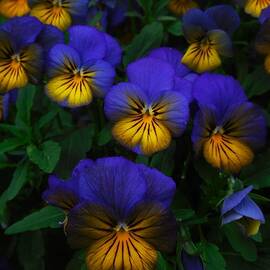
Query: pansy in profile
{"points": [[147, 111], [82, 69], [180, 7], [227, 128], [208, 34], [117, 211], [59, 13], [241, 208], [14, 8], [262, 43]]}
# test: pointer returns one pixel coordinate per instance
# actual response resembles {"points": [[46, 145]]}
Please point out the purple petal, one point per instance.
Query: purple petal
{"points": [[113, 50], [103, 78], [88, 41], [184, 87], [249, 208], [191, 262], [173, 57], [265, 15], [160, 188], [230, 217], [233, 200], [225, 17], [151, 75]]}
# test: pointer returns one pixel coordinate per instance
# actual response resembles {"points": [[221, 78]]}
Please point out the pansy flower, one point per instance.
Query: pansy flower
{"points": [[147, 111], [14, 8], [208, 34], [240, 207], [263, 38], [121, 216], [228, 128], [24, 43], [20, 57], [180, 7], [82, 69], [59, 13], [191, 262]]}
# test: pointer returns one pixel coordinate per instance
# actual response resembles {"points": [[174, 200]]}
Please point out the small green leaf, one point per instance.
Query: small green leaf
{"points": [[211, 256], [45, 157], [19, 178], [47, 217], [162, 263], [240, 242], [10, 144], [150, 37], [105, 135], [176, 28], [24, 105], [184, 214]]}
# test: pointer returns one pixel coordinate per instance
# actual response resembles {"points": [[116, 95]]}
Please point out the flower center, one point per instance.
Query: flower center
{"points": [[217, 134], [57, 3]]}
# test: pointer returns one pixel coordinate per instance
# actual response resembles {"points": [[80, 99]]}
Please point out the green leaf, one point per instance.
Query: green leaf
{"points": [[162, 263], [105, 135], [176, 28], [77, 261], [257, 82], [24, 105], [46, 156], [19, 178], [47, 217], [184, 214], [258, 173], [150, 37], [211, 256], [31, 251], [146, 5], [74, 148], [10, 144], [164, 160], [240, 242]]}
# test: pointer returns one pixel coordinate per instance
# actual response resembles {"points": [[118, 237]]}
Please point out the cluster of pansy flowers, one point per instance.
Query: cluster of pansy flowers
{"points": [[116, 209]]}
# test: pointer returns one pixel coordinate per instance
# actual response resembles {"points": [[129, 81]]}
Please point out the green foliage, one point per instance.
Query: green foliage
{"points": [[47, 217]]}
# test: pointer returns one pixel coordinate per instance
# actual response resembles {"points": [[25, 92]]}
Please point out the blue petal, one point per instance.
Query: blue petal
{"points": [[78, 7], [196, 23], [160, 188], [191, 262], [184, 87], [233, 200], [63, 194], [118, 13], [58, 56], [151, 75], [265, 15], [88, 41], [248, 119], [6, 103], [50, 36], [230, 217], [103, 78], [173, 57], [249, 208], [218, 92], [114, 183], [117, 100], [23, 30], [225, 17], [113, 50], [176, 111]]}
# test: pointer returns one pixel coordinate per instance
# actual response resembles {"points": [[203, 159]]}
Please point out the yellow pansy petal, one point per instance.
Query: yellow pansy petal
{"points": [[13, 8], [54, 15], [227, 153], [180, 7], [267, 63], [70, 89], [252, 227], [151, 135], [255, 7], [200, 58]]}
